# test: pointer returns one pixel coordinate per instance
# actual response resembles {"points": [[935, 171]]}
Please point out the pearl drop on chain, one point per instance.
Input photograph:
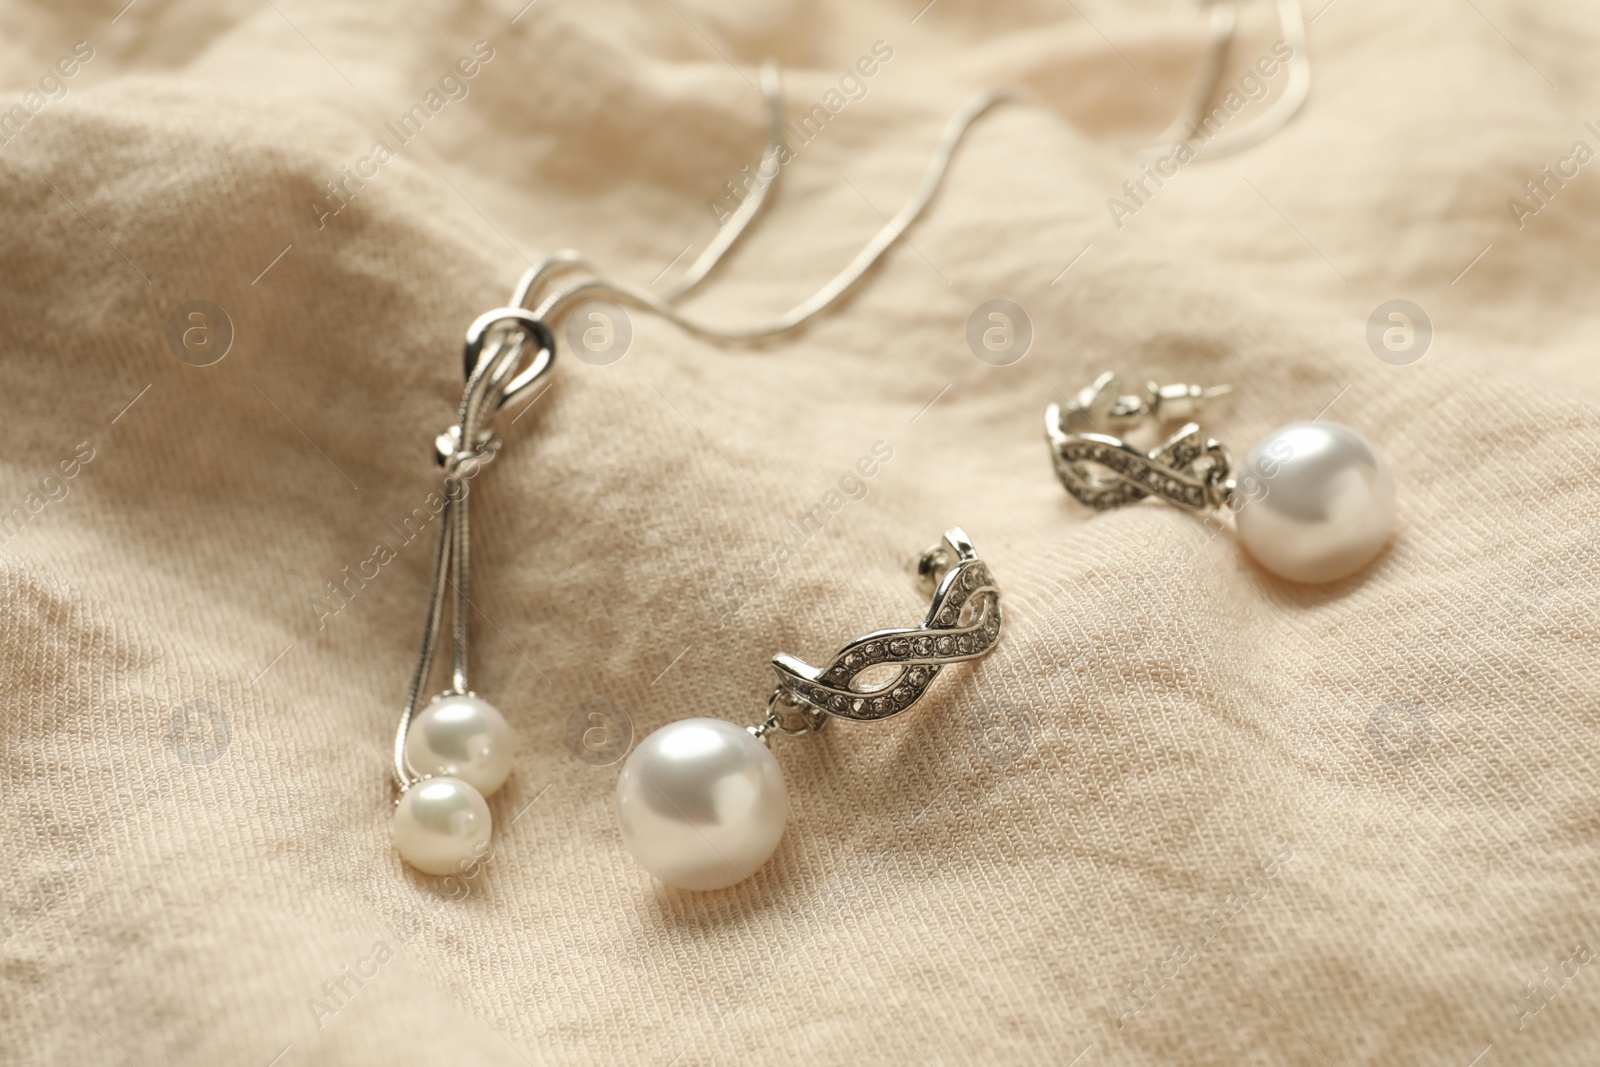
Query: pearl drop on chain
{"points": [[702, 804], [1329, 506], [461, 736], [441, 826]]}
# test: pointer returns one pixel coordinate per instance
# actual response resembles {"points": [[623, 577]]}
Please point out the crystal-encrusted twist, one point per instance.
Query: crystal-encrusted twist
{"points": [[1165, 471], [1189, 469], [963, 622]]}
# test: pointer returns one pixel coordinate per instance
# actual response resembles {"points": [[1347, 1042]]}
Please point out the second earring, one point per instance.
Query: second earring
{"points": [[1314, 501]]}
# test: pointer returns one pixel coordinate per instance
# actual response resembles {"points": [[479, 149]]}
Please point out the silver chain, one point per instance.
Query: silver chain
{"points": [[558, 299], [1224, 23]]}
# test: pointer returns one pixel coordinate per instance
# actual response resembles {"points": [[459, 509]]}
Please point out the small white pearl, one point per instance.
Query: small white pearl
{"points": [[1329, 505], [461, 736], [441, 826], [702, 804]]}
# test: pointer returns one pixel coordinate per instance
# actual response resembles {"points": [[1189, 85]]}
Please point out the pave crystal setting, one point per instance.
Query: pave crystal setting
{"points": [[1166, 471], [963, 622]]}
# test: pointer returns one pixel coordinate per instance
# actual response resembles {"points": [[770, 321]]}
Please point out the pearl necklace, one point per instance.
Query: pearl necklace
{"points": [[457, 751]]}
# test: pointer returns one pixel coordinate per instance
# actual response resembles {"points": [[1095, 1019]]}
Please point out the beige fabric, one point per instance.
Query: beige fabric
{"points": [[1364, 815]]}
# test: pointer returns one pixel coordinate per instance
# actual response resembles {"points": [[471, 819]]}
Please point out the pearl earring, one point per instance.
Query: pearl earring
{"points": [[456, 751], [1313, 502], [702, 802]]}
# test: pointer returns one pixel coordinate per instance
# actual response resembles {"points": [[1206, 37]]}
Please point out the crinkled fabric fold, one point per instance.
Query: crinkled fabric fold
{"points": [[1186, 813]]}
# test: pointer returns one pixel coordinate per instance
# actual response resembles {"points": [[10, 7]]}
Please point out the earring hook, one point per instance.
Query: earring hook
{"points": [[541, 280]]}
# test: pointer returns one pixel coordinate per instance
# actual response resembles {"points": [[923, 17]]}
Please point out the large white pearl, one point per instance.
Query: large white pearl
{"points": [[1328, 507], [441, 826], [702, 804], [461, 736]]}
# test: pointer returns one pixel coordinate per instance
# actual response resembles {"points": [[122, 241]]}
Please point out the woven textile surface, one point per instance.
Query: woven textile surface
{"points": [[1185, 813]]}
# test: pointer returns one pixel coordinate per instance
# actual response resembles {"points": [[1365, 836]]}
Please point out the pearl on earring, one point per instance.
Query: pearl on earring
{"points": [[460, 735], [702, 804], [441, 825], [1328, 507]]}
